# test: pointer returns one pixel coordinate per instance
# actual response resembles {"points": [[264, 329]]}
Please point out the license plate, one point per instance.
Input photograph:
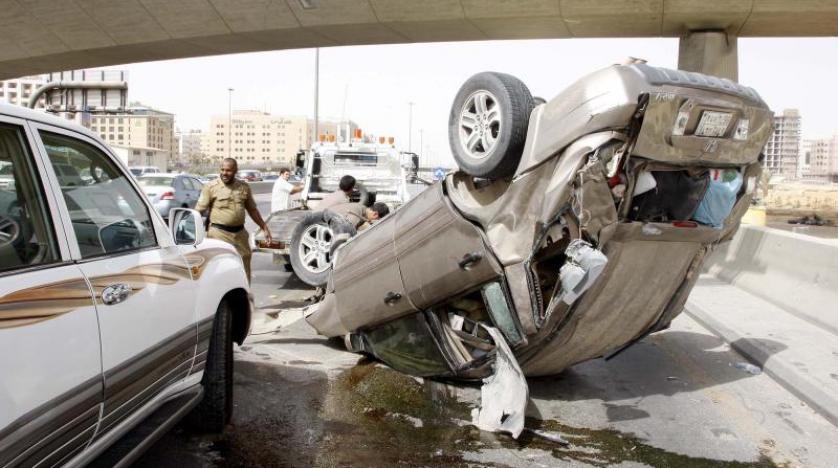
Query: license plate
{"points": [[713, 124]]}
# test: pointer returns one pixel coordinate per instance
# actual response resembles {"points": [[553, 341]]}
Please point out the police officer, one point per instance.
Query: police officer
{"points": [[227, 199]]}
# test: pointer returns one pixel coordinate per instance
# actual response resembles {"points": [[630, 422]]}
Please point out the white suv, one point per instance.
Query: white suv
{"points": [[112, 325]]}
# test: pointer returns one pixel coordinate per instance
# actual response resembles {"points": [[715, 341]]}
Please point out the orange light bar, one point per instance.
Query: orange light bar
{"points": [[358, 133]]}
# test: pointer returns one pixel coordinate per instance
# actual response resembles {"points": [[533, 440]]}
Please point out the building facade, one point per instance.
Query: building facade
{"points": [[820, 158], [19, 90], [142, 128], [255, 138], [782, 153], [189, 146]]}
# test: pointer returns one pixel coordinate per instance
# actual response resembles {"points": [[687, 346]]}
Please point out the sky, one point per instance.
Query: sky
{"points": [[373, 85]]}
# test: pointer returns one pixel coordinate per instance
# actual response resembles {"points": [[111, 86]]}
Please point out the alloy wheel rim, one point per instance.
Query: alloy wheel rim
{"points": [[315, 248], [480, 124]]}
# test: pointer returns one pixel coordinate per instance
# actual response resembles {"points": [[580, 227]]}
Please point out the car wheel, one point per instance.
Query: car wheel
{"points": [[311, 245], [216, 408], [487, 126]]}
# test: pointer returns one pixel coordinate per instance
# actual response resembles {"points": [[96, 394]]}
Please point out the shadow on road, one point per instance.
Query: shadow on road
{"points": [[668, 363]]}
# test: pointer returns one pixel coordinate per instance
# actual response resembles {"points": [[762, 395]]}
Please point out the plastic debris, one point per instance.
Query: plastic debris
{"points": [[504, 395], [551, 436], [748, 367], [583, 267]]}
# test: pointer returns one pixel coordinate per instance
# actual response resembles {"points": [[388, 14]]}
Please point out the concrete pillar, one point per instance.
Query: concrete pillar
{"points": [[709, 52]]}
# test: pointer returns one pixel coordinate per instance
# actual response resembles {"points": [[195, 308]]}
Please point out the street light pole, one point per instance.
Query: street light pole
{"points": [[316, 96], [421, 142], [229, 120], [410, 127]]}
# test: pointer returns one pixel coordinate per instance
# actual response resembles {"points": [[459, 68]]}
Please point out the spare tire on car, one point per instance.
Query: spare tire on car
{"points": [[311, 246], [488, 123]]}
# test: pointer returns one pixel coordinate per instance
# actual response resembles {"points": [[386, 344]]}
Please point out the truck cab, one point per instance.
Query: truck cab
{"points": [[376, 167]]}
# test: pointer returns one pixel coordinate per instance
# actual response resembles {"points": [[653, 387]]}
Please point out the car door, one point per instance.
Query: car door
{"points": [[142, 285], [440, 253], [190, 194], [50, 360]]}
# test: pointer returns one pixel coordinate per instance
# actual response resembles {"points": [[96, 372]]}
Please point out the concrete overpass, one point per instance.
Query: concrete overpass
{"points": [[46, 35]]}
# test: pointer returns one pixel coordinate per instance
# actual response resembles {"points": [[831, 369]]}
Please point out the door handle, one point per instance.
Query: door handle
{"points": [[116, 293], [469, 260], [391, 298]]}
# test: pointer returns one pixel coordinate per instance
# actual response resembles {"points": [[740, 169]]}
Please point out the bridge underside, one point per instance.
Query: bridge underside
{"points": [[48, 35]]}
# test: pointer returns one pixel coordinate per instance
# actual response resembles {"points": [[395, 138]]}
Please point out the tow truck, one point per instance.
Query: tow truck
{"points": [[380, 176]]}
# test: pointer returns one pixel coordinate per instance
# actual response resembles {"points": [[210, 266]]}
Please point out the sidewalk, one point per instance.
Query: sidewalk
{"points": [[798, 354]]}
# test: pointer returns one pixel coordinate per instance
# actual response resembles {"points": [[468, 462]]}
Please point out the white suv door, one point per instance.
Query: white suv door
{"points": [[50, 362], [145, 295]]}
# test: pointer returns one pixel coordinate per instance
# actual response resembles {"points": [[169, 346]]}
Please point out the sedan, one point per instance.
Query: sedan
{"points": [[575, 228], [167, 191]]}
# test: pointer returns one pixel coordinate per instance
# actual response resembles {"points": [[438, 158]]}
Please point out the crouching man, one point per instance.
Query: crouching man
{"points": [[354, 217]]}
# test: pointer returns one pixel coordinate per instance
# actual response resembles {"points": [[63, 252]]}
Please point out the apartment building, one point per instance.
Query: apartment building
{"points": [[255, 138], [782, 152], [141, 128], [18, 91]]}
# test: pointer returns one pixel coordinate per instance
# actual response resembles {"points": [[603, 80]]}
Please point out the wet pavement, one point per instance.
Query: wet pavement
{"points": [[678, 398]]}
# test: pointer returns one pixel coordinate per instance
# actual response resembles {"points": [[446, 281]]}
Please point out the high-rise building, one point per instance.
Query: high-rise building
{"points": [[141, 129], [820, 157], [17, 91], [782, 153], [256, 139]]}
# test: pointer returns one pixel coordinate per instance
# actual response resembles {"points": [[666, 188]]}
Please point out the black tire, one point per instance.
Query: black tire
{"points": [[213, 413], [497, 155], [313, 275]]}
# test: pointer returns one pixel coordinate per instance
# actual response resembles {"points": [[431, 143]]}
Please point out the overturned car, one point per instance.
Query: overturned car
{"points": [[575, 227]]}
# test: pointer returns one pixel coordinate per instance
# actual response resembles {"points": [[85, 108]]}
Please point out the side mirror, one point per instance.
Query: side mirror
{"points": [[186, 226]]}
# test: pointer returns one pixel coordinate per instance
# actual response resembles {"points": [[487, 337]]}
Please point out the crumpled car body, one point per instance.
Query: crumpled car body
{"points": [[572, 258]]}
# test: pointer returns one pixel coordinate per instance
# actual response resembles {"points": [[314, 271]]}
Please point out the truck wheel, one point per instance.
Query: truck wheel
{"points": [[215, 410], [487, 126], [311, 254]]}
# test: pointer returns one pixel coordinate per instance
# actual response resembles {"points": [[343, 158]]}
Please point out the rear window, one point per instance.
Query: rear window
{"points": [[361, 159], [149, 181]]}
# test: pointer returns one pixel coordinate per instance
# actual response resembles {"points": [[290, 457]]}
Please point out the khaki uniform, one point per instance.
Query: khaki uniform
{"points": [[228, 206], [354, 213]]}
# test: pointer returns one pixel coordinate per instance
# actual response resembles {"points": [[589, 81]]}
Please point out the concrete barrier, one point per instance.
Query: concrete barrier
{"points": [[798, 273]]}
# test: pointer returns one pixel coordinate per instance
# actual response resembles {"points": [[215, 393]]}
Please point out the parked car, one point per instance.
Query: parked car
{"points": [[250, 175], [574, 229], [270, 177], [138, 171], [167, 191], [7, 178], [113, 326]]}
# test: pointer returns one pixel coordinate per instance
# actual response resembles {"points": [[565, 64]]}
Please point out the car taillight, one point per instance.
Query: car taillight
{"points": [[167, 196], [685, 224]]}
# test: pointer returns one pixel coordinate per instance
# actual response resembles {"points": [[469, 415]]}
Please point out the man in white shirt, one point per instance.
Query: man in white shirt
{"points": [[283, 190]]}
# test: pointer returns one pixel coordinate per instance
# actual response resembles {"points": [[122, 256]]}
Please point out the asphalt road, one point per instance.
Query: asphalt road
{"points": [[679, 398]]}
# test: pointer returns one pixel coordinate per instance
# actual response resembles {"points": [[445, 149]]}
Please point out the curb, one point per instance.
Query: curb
{"points": [[785, 374]]}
